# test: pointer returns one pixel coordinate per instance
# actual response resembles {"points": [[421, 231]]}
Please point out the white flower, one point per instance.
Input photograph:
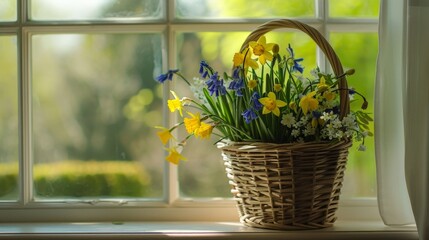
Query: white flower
{"points": [[288, 119], [197, 89], [327, 116], [295, 133], [309, 130], [339, 134], [349, 121], [329, 104], [304, 81], [336, 123], [315, 73], [362, 147]]}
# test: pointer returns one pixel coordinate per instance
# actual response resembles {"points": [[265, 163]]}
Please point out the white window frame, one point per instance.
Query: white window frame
{"points": [[172, 207]]}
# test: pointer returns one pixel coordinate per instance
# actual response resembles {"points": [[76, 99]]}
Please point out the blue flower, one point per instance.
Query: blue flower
{"points": [[236, 73], [215, 85], [249, 115], [205, 69], [316, 114], [166, 76], [237, 85], [296, 66], [237, 82], [254, 101]]}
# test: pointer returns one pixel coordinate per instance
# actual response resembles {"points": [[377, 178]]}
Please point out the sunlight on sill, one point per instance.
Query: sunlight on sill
{"points": [[198, 230]]}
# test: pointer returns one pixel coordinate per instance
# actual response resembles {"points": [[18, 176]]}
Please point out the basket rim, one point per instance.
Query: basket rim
{"points": [[227, 144]]}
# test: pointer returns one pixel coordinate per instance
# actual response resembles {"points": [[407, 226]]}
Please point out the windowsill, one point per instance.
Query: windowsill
{"points": [[198, 230]]}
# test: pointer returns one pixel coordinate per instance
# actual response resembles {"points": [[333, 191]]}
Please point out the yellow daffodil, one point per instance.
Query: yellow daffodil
{"points": [[246, 58], [322, 86], [164, 134], [262, 49], [271, 104], [292, 105], [252, 84], [277, 87], [329, 95], [193, 123], [204, 130], [309, 103], [174, 156], [175, 104]]}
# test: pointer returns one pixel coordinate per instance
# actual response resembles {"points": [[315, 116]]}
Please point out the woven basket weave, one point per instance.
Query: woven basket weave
{"points": [[293, 185]]}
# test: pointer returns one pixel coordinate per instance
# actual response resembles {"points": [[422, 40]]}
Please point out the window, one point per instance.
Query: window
{"points": [[79, 102]]}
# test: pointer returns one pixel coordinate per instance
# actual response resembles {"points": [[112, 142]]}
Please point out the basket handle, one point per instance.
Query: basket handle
{"points": [[320, 41]]}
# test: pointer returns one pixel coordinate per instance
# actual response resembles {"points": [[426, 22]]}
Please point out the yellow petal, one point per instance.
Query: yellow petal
{"points": [[262, 40], [193, 123], [238, 59], [265, 110], [174, 156], [204, 130], [276, 111], [272, 96], [264, 100], [280, 103]]}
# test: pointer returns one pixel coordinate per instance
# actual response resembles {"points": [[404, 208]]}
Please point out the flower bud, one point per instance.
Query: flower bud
{"points": [[350, 72], [276, 49], [364, 105]]}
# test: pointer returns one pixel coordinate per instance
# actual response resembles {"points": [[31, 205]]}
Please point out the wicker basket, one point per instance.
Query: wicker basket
{"points": [[294, 185]]}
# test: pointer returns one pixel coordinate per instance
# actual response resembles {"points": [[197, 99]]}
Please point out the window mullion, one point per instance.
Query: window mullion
{"points": [[25, 116]]}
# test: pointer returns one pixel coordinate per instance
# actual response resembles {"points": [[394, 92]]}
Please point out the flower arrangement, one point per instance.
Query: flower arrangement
{"points": [[266, 99]]}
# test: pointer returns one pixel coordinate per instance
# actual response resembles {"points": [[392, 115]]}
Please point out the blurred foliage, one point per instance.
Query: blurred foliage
{"points": [[354, 8], [244, 8], [81, 179], [8, 180], [95, 10], [8, 10]]}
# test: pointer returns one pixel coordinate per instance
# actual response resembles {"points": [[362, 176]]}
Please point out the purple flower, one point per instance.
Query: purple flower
{"points": [[166, 76], [205, 69], [249, 115], [215, 85], [254, 101]]}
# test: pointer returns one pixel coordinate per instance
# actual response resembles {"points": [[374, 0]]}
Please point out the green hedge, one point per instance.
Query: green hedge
{"points": [[81, 179]]}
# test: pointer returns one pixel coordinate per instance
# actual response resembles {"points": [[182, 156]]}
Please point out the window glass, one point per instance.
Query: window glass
{"points": [[94, 107], [8, 10], [96, 9], [354, 8], [9, 156], [203, 175], [244, 9], [359, 51]]}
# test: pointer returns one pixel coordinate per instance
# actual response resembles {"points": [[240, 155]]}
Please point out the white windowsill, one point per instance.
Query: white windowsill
{"points": [[198, 230]]}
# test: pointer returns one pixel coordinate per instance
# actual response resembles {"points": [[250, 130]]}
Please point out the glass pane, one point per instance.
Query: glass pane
{"points": [[96, 9], [94, 107], [8, 119], [8, 10], [360, 179], [203, 175], [354, 8], [186, 9]]}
